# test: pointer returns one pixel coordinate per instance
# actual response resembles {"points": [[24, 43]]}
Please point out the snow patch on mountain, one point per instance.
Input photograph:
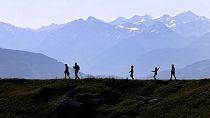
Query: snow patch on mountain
{"points": [[133, 29]]}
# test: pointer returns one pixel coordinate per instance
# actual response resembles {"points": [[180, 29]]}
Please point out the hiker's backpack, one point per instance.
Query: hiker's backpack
{"points": [[78, 67]]}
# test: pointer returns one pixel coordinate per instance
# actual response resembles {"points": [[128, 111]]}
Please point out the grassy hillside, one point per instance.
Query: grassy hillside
{"points": [[104, 98]]}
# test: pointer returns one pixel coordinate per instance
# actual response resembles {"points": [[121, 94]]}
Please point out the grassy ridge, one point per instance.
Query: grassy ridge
{"points": [[118, 98]]}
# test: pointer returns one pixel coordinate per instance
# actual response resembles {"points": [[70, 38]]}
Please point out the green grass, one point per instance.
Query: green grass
{"points": [[21, 98]]}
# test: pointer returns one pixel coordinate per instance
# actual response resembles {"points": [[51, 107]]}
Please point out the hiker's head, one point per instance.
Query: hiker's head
{"points": [[75, 63], [132, 66], [172, 65], [65, 64]]}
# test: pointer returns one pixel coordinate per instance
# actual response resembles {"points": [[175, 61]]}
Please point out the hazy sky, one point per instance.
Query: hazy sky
{"points": [[36, 13]]}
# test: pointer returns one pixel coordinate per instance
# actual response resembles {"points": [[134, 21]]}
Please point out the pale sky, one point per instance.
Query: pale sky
{"points": [[36, 13]]}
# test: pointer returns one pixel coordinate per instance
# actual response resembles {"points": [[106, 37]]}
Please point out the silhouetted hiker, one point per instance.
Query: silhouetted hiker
{"points": [[76, 69], [173, 72], [66, 72], [155, 72], [131, 75]]}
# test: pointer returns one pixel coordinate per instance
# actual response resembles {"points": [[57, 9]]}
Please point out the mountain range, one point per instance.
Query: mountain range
{"points": [[109, 48]]}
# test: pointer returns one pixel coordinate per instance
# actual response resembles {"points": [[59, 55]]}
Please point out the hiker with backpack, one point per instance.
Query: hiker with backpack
{"points": [[76, 70]]}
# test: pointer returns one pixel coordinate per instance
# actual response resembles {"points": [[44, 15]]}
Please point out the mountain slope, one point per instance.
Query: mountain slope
{"points": [[24, 39], [82, 41], [119, 58], [21, 64], [103, 98]]}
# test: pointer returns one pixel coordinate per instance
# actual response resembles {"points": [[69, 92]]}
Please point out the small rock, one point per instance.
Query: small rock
{"points": [[153, 100], [68, 109], [68, 103], [95, 101], [71, 93]]}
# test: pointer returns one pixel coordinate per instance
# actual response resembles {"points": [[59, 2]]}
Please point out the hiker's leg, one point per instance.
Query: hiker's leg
{"points": [[77, 75], [69, 76], [174, 76]]}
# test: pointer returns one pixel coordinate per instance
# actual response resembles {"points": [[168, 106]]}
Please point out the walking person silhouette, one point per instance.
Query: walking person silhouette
{"points": [[155, 72], [173, 72], [131, 72], [76, 70], [66, 72]]}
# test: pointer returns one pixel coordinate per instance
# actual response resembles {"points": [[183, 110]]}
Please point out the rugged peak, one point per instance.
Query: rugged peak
{"points": [[91, 18], [186, 16]]}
